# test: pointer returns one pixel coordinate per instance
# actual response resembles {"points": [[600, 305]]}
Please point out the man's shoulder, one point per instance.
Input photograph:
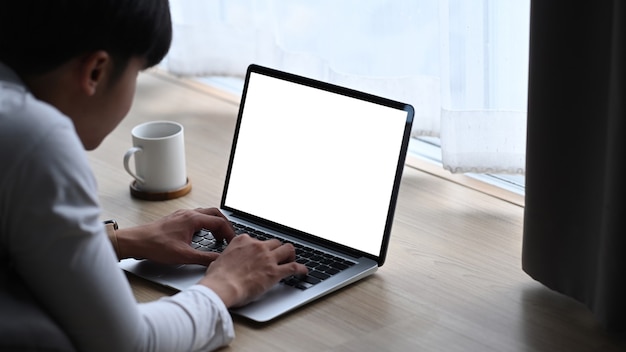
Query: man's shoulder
{"points": [[21, 114], [26, 121], [35, 139]]}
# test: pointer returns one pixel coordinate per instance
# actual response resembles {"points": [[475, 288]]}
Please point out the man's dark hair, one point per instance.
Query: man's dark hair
{"points": [[37, 36]]}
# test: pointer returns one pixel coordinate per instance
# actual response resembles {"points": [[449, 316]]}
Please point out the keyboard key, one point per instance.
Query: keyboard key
{"points": [[318, 274], [323, 268], [312, 280], [332, 271], [304, 285], [339, 266]]}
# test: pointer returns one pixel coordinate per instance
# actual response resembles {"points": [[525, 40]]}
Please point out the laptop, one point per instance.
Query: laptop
{"points": [[313, 164]]}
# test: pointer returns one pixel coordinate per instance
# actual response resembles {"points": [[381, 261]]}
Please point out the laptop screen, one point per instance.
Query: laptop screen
{"points": [[318, 158]]}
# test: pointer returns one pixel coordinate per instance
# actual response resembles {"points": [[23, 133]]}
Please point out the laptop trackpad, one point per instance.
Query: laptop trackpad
{"points": [[145, 268], [178, 277]]}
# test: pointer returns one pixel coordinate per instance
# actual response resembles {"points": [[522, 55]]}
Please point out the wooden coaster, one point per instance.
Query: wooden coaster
{"points": [[137, 193]]}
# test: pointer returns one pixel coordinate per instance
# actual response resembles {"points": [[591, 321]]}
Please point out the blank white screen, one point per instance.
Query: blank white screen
{"points": [[316, 161]]}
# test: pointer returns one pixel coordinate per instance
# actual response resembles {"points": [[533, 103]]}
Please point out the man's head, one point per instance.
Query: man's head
{"points": [[75, 54], [37, 36]]}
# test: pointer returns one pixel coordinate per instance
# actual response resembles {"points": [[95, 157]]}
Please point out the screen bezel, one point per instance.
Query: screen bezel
{"points": [[257, 69]]}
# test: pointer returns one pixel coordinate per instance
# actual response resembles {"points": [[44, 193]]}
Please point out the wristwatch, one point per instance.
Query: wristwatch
{"points": [[111, 224], [111, 227]]}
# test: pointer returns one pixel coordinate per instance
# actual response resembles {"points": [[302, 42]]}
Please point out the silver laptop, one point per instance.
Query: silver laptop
{"points": [[313, 164]]}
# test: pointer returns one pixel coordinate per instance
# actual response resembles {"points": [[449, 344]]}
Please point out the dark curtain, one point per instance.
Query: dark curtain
{"points": [[575, 219]]}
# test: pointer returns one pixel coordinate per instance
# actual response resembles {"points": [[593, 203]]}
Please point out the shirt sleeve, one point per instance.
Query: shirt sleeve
{"points": [[59, 248], [197, 313]]}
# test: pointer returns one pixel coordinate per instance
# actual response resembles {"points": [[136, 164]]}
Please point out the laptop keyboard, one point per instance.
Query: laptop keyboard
{"points": [[321, 265]]}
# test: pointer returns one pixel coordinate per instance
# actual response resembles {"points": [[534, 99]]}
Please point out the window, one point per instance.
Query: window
{"points": [[462, 65]]}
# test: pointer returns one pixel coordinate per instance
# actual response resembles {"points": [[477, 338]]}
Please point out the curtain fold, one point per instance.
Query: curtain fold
{"points": [[575, 219], [462, 65]]}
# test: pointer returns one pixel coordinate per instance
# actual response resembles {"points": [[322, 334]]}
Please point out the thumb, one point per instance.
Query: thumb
{"points": [[204, 258], [195, 256]]}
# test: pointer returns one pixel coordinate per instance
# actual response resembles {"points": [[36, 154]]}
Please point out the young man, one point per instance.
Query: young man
{"points": [[67, 78]]}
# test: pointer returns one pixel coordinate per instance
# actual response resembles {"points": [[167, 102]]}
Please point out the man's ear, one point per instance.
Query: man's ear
{"points": [[94, 69]]}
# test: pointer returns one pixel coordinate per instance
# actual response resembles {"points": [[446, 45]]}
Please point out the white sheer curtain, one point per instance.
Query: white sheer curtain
{"points": [[462, 64]]}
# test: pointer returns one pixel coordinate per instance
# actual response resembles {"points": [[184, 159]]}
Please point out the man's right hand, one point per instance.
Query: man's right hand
{"points": [[248, 267]]}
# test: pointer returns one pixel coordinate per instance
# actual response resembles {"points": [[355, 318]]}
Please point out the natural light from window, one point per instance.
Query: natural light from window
{"points": [[462, 65]]}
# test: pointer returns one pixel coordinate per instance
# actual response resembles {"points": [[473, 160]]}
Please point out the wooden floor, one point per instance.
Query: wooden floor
{"points": [[452, 280]]}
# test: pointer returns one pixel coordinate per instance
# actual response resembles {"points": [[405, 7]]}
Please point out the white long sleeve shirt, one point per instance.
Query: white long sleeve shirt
{"points": [[54, 245]]}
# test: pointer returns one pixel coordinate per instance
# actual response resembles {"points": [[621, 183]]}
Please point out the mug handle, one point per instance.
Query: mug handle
{"points": [[130, 152]]}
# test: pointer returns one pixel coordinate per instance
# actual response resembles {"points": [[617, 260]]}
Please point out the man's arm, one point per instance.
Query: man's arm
{"points": [[168, 239]]}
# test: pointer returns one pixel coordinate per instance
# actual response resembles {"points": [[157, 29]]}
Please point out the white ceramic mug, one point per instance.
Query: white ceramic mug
{"points": [[159, 151]]}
